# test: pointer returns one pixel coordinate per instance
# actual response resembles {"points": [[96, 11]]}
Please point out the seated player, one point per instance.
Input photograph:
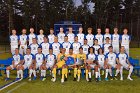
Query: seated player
{"points": [[61, 58], [85, 47], [61, 35], [124, 62], [106, 45], [91, 63], [17, 60], [76, 45], [40, 37], [111, 60], [102, 63], [81, 60], [96, 46]]}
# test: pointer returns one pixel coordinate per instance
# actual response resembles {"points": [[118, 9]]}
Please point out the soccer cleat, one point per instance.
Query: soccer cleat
{"points": [[106, 79], [89, 80], [65, 79], [99, 79], [41, 77], [130, 78], [44, 79], [78, 79], [29, 79], [115, 77], [96, 80], [74, 79], [62, 80], [121, 78], [111, 78], [53, 79], [7, 79], [34, 78]]}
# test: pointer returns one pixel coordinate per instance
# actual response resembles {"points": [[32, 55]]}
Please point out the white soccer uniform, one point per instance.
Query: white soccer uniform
{"points": [[45, 48], [105, 36], [91, 57], [125, 40], [16, 59], [76, 46], [40, 39], [13, 43], [30, 37], [61, 37], [111, 59], [50, 60], [105, 47], [101, 60], [99, 37], [28, 59], [67, 46], [56, 48], [85, 49], [96, 47], [39, 58], [115, 42], [81, 38], [23, 44], [34, 48], [51, 38], [90, 39], [71, 37]]}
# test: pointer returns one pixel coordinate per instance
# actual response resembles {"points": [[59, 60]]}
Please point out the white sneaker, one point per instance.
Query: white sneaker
{"points": [[78, 79], [62, 80], [87, 79], [121, 78], [130, 78], [29, 79], [53, 79]]}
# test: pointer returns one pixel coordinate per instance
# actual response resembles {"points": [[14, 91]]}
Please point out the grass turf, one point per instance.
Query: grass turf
{"points": [[70, 86]]}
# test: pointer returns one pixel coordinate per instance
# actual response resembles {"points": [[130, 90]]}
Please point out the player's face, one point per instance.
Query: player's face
{"points": [[96, 42], [115, 30], [14, 32], [80, 30], [66, 39], [71, 51], [122, 49], [110, 49], [39, 50], [45, 39], [107, 40], [16, 51], [98, 31], [106, 30], [51, 51], [76, 39], [70, 30], [28, 51], [23, 31], [51, 31], [89, 31], [85, 42], [31, 30], [91, 50], [125, 31], [55, 39], [61, 30], [100, 51], [34, 41], [63, 50], [41, 31], [81, 51]]}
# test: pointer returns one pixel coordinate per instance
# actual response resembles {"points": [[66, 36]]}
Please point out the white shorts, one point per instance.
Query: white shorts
{"points": [[92, 65], [26, 66], [38, 66], [116, 48], [22, 49], [125, 65], [12, 66], [48, 65], [101, 65], [13, 48], [112, 65]]}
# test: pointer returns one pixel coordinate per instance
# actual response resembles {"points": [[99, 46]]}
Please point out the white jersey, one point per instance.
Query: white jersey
{"points": [[34, 48], [30, 37], [76, 46], [45, 48], [122, 58], [14, 40], [61, 37], [28, 59], [111, 58], [91, 57], [71, 37], [81, 38], [40, 39], [99, 37], [23, 39], [105, 36], [101, 59], [17, 58], [56, 48], [50, 59], [96, 47], [90, 39], [105, 47], [125, 40], [115, 39], [51, 38], [39, 58], [85, 49], [67, 46]]}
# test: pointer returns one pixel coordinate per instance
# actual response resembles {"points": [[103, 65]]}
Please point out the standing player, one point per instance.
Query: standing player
{"points": [[23, 42], [66, 44], [106, 45], [17, 60], [115, 40], [81, 36], [13, 41], [96, 46], [124, 62], [76, 45], [51, 36], [125, 40], [90, 37], [85, 47], [70, 35], [31, 36], [107, 34], [61, 35], [99, 37], [40, 37]]}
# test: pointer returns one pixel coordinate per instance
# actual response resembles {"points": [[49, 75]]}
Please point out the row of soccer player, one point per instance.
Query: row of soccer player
{"points": [[114, 39], [71, 60]]}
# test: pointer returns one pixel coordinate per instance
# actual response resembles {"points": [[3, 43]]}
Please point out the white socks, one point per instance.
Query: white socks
{"points": [[96, 74], [30, 73], [7, 73], [89, 73], [130, 71], [43, 73], [99, 72], [117, 71], [110, 72], [34, 73], [106, 73]]}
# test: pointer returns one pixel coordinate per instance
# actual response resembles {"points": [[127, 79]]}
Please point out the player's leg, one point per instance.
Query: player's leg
{"points": [[121, 73], [110, 71], [130, 72], [75, 72], [106, 72], [30, 72], [87, 70], [99, 73], [8, 72], [79, 73], [96, 73], [54, 73], [43, 72], [20, 68], [117, 71]]}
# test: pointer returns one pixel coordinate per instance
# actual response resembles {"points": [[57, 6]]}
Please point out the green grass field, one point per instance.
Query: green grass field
{"points": [[115, 86]]}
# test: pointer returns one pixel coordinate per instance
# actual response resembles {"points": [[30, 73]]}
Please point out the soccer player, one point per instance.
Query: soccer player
{"points": [[125, 40], [91, 63], [51, 36], [70, 35], [23, 42], [115, 41], [76, 45], [56, 46], [90, 37], [45, 46], [107, 34], [111, 61], [31, 36], [124, 62], [40, 37], [13, 41], [96, 46], [106, 45], [34, 46], [61, 58], [66, 44], [99, 37], [81, 36], [85, 47], [61, 35], [17, 60], [102, 63]]}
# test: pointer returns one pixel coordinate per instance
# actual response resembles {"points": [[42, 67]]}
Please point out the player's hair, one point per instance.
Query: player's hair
{"points": [[71, 48], [28, 48], [33, 38], [51, 28], [70, 27], [92, 49], [110, 47], [99, 50], [107, 38], [80, 48], [76, 36], [85, 39], [61, 27], [89, 28], [66, 36], [40, 47], [80, 27], [96, 40]]}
